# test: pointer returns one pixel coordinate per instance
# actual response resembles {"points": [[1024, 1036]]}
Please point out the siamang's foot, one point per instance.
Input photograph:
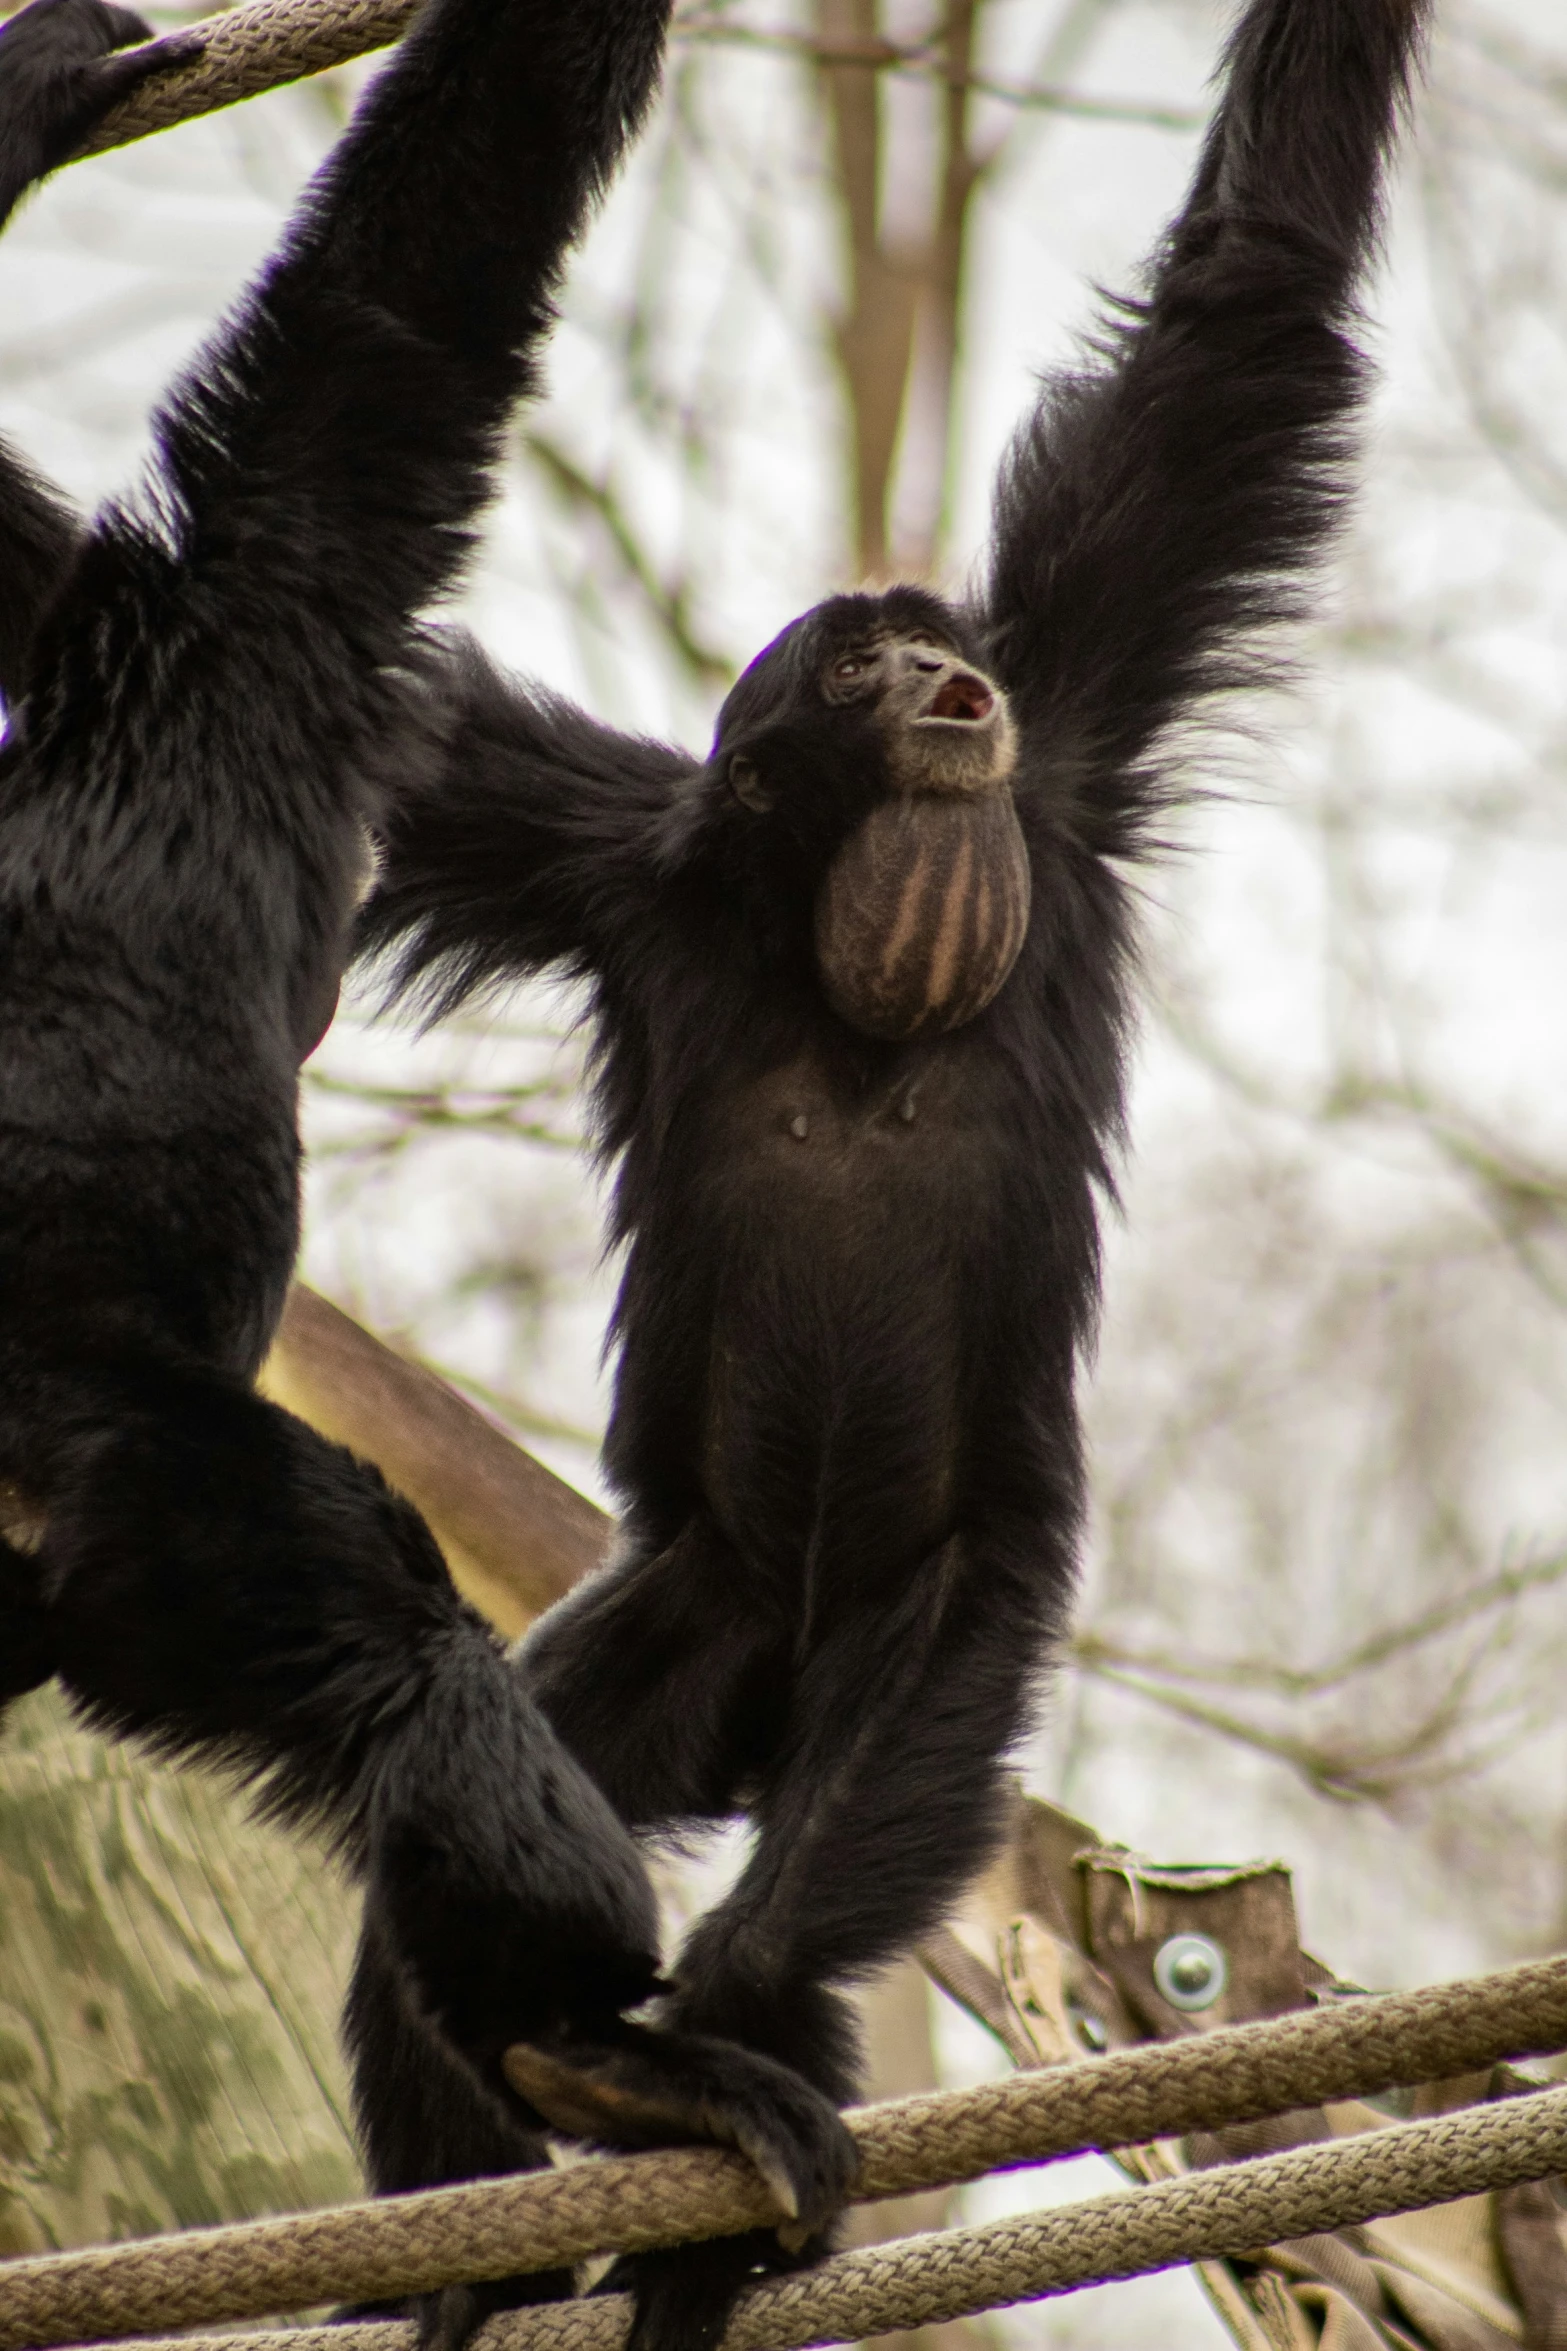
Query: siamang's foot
{"points": [[59, 77], [449, 2318], [26, 1651], [684, 2295], [650, 2088]]}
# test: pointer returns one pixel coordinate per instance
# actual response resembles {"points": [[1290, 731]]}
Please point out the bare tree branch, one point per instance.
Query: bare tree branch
{"points": [[668, 602], [1093, 1651], [871, 52]]}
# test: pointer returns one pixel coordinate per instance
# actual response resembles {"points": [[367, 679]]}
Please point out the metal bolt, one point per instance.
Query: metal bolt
{"points": [[1191, 1971]]}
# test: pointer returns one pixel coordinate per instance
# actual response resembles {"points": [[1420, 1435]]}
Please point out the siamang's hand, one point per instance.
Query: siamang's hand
{"points": [[650, 2088], [59, 76]]}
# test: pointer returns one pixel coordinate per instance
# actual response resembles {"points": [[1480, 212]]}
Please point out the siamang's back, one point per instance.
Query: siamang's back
{"points": [[174, 881]]}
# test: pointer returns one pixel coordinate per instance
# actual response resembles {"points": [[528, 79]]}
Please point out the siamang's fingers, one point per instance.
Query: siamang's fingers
{"points": [[587, 2100], [114, 77], [604, 2109], [109, 79], [684, 2295], [651, 2088], [64, 64]]}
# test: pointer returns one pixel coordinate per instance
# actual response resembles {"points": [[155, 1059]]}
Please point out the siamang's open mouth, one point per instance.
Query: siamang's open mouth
{"points": [[963, 697]]}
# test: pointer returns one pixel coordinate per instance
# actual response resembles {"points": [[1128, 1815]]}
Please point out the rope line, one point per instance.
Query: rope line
{"points": [[542, 2220], [254, 47], [927, 2280]]}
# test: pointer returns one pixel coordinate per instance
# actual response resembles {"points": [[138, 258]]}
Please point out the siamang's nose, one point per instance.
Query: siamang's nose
{"points": [[962, 694]]}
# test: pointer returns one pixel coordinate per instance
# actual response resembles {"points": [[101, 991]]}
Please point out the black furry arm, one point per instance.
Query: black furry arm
{"points": [[58, 74], [533, 844], [326, 453], [336, 442], [1158, 507]]}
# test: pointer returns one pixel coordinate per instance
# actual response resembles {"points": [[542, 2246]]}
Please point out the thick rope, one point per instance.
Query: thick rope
{"points": [[542, 2220], [252, 48], [924, 2281]]}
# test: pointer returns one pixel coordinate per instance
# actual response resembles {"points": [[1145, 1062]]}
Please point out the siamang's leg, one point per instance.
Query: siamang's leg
{"points": [[424, 2120], [26, 1652], [222, 1580], [667, 1676], [884, 1798]]}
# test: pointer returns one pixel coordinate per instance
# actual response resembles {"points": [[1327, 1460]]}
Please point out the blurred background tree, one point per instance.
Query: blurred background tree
{"points": [[1323, 1610]]}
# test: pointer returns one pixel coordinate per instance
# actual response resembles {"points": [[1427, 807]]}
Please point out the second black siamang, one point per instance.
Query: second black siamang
{"points": [[861, 982], [209, 690]]}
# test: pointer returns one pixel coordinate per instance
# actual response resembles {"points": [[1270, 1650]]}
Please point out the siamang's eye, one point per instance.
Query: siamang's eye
{"points": [[745, 781], [849, 666]]}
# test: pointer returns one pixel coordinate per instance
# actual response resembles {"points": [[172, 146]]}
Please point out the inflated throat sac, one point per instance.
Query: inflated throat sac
{"points": [[923, 912]]}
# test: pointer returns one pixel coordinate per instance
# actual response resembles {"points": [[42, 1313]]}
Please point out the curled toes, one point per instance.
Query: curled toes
{"points": [[449, 2318], [684, 2296], [657, 2089]]}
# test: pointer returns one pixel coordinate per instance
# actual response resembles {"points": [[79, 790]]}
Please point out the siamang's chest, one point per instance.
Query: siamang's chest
{"points": [[837, 1141], [836, 1208]]}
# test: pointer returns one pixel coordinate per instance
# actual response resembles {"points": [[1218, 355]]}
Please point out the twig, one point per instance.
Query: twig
{"points": [[1095, 1651], [264, 43], [926, 60]]}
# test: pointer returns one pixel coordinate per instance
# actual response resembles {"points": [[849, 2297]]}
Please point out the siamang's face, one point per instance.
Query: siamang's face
{"points": [[944, 725], [863, 698], [868, 745]]}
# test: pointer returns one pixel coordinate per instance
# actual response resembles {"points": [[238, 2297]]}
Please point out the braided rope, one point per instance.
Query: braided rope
{"points": [[924, 2281], [248, 49], [543, 2220]]}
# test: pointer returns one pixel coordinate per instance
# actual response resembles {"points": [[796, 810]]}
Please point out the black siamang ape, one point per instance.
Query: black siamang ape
{"points": [[205, 687], [862, 987], [861, 984]]}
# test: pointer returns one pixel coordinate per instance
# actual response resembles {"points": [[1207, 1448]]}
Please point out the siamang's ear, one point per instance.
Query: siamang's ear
{"points": [[745, 782]]}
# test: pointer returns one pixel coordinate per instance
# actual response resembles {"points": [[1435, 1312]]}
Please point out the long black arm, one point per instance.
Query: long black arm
{"points": [[1162, 505], [322, 460], [342, 436], [59, 82], [531, 842]]}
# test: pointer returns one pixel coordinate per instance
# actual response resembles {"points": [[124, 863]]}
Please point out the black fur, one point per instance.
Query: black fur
{"points": [[845, 1430], [206, 688], [845, 1427]]}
